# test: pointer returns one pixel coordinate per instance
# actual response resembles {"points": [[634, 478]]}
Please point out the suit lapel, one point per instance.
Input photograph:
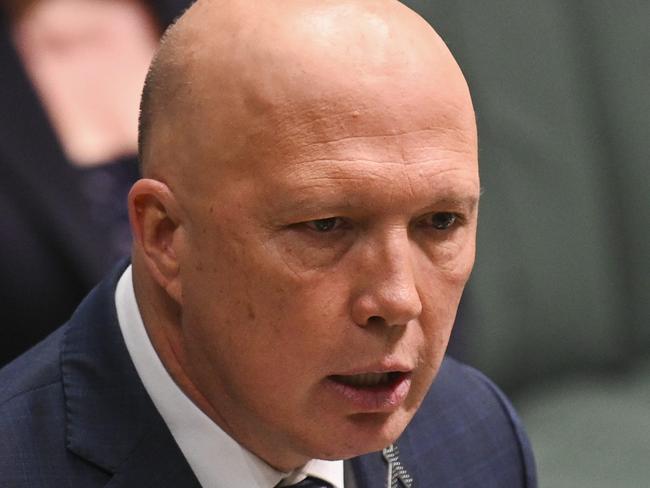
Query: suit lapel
{"points": [[408, 458], [156, 462], [371, 470], [110, 419]]}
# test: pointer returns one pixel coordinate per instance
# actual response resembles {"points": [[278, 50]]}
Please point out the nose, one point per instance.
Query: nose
{"points": [[387, 292]]}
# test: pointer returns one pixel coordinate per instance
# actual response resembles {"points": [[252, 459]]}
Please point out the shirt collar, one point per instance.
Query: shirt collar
{"points": [[216, 459]]}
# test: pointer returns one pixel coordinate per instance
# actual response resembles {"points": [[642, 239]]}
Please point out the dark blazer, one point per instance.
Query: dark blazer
{"points": [[51, 252], [74, 413]]}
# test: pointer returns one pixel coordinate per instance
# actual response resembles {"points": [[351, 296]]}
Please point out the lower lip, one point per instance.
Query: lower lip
{"points": [[383, 398]]}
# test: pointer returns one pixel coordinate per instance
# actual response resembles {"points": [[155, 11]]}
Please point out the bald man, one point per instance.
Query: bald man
{"points": [[304, 228]]}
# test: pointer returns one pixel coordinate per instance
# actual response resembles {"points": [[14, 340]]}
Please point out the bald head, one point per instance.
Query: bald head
{"points": [[249, 70]]}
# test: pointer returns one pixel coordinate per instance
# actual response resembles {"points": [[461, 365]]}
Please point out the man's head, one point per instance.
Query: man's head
{"points": [[307, 218]]}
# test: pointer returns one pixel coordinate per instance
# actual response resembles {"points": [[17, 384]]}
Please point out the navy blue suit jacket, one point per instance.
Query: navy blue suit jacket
{"points": [[74, 413]]}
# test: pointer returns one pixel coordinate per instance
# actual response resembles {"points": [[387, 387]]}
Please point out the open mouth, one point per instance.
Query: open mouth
{"points": [[371, 392], [369, 380]]}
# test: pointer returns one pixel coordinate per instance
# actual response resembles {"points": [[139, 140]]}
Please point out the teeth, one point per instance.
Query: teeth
{"points": [[366, 379]]}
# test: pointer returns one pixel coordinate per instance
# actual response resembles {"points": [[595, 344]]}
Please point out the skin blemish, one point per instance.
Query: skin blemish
{"points": [[250, 311]]}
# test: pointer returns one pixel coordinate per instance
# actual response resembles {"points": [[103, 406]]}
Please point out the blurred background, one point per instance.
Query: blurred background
{"points": [[558, 307], [557, 310], [71, 74]]}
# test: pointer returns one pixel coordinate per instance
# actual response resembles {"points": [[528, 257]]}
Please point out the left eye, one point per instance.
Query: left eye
{"points": [[324, 225], [442, 220]]}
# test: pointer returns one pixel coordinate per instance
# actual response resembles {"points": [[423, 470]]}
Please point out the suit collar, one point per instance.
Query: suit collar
{"points": [[110, 420], [155, 462]]}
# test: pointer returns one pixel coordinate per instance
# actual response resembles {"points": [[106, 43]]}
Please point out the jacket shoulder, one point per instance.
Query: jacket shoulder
{"points": [[33, 423], [472, 432], [37, 368]]}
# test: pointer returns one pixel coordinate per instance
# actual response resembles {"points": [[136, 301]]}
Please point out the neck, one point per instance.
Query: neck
{"points": [[162, 321], [161, 318]]}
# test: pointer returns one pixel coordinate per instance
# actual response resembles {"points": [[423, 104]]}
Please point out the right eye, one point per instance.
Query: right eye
{"points": [[324, 225]]}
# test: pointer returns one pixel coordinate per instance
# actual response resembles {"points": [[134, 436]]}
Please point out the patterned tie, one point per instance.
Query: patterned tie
{"points": [[311, 482]]}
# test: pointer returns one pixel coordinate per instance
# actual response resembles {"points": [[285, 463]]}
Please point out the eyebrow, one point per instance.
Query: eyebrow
{"points": [[469, 203], [306, 201]]}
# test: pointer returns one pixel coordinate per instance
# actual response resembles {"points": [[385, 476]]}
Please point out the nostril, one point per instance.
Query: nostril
{"points": [[380, 307], [375, 320]]}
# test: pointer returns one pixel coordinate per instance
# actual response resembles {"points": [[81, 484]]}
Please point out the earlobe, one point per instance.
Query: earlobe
{"points": [[156, 225]]}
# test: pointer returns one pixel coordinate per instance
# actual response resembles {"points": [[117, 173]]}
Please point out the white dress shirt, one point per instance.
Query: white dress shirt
{"points": [[216, 459]]}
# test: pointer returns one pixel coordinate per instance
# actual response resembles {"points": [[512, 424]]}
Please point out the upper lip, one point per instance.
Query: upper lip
{"points": [[378, 367]]}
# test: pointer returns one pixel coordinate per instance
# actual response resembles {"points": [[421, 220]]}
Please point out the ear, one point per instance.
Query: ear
{"points": [[154, 213]]}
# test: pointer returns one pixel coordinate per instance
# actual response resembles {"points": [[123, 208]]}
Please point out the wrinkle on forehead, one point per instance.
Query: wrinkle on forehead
{"points": [[399, 148], [448, 173]]}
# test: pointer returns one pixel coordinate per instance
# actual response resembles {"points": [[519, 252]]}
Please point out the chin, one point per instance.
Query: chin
{"points": [[365, 433]]}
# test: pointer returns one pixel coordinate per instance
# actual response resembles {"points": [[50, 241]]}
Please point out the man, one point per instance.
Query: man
{"points": [[303, 232]]}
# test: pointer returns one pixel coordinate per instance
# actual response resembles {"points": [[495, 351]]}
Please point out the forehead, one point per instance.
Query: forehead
{"points": [[336, 188], [404, 130], [354, 149], [350, 125], [391, 171]]}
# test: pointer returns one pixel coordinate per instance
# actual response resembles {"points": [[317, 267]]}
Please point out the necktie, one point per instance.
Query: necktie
{"points": [[311, 482]]}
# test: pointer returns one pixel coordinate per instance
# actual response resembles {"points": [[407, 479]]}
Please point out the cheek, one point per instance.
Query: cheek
{"points": [[440, 293], [454, 259], [254, 304], [439, 309], [443, 271]]}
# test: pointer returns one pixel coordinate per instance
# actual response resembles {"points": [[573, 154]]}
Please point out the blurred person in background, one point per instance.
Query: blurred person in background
{"points": [[71, 72]]}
